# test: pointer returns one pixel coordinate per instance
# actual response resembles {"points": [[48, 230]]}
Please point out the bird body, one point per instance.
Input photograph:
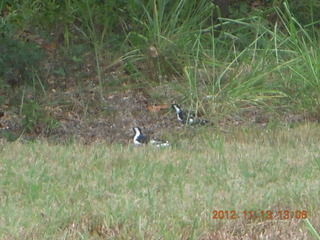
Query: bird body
{"points": [[140, 139], [182, 116]]}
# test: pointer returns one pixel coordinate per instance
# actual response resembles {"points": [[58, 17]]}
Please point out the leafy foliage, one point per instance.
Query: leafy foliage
{"points": [[17, 59]]}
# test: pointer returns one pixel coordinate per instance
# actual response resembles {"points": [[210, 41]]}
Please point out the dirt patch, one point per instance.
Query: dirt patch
{"points": [[112, 118], [112, 121]]}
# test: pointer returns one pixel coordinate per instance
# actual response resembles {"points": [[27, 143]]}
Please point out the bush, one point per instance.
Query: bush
{"points": [[17, 59]]}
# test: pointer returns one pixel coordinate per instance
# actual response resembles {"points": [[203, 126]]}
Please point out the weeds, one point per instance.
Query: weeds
{"points": [[36, 119]]}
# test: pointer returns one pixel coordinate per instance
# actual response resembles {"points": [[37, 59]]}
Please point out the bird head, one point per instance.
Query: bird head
{"points": [[176, 108]]}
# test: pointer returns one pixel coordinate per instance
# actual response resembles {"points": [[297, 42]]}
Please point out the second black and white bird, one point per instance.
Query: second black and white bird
{"points": [[182, 116], [140, 139], [188, 118]]}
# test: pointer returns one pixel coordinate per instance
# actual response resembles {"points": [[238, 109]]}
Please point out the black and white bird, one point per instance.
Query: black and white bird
{"points": [[188, 118], [140, 139], [182, 116]]}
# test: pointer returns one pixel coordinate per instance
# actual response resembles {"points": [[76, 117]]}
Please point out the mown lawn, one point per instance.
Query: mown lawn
{"points": [[98, 191]]}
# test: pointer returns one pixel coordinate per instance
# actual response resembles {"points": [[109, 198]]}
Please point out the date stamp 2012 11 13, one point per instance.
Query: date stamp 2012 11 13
{"points": [[263, 214]]}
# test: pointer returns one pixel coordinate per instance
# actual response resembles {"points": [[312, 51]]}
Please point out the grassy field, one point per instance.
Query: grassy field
{"points": [[104, 191]]}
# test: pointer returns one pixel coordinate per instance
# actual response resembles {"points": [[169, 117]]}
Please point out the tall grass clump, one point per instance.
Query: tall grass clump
{"points": [[299, 49], [165, 33], [256, 63], [233, 69]]}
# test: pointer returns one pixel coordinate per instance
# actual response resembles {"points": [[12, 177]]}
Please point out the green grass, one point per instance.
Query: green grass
{"points": [[120, 192]]}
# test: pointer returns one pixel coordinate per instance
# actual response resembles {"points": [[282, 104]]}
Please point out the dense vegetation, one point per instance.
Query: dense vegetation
{"points": [[263, 56]]}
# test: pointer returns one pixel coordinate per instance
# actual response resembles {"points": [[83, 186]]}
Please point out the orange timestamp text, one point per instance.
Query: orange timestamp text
{"points": [[264, 214]]}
